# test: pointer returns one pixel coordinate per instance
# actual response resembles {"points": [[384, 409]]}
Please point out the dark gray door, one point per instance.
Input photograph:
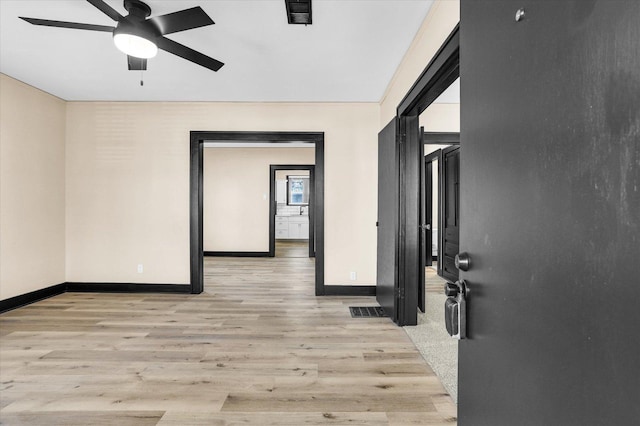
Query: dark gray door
{"points": [[428, 212], [550, 192], [386, 281], [449, 212], [424, 248]]}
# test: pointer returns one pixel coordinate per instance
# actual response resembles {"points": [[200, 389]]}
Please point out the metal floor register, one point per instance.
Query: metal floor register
{"points": [[367, 312]]}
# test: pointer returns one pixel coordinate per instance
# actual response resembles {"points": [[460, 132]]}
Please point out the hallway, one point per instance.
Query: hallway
{"points": [[257, 347]]}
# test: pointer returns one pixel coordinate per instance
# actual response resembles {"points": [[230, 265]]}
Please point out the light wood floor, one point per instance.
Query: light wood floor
{"points": [[257, 348], [432, 281], [292, 248]]}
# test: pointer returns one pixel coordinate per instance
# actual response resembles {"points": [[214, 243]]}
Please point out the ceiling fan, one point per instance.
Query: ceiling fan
{"points": [[140, 37]]}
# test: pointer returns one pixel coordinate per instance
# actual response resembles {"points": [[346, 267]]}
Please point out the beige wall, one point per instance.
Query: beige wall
{"points": [[236, 195], [128, 184], [32, 175], [441, 118], [442, 18]]}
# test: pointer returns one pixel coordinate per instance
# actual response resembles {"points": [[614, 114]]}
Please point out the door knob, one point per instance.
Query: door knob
{"points": [[463, 261]]}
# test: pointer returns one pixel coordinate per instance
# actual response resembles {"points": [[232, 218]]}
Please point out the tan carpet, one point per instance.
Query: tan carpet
{"points": [[431, 338]]}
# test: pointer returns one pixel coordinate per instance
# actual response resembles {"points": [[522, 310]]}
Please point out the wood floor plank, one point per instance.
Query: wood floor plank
{"points": [[75, 418], [273, 419], [257, 347]]}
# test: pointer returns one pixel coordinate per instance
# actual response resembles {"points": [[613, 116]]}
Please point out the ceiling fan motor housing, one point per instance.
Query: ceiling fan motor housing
{"points": [[137, 8]]}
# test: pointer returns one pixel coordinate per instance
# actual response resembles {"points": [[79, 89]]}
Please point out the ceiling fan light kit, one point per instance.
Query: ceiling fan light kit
{"points": [[134, 35], [140, 37], [133, 45]]}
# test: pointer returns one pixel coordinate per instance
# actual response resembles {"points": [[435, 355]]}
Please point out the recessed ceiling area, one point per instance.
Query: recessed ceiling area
{"points": [[348, 54]]}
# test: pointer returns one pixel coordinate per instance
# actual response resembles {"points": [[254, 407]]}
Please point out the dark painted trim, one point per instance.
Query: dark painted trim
{"points": [[441, 71], [432, 156], [197, 140], [71, 287], [259, 137], [409, 220], [273, 168], [441, 138], [31, 297], [318, 215], [81, 287], [236, 253], [196, 197], [349, 290]]}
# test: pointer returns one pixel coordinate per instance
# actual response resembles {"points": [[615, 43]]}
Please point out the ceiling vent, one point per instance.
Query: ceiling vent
{"points": [[298, 11]]}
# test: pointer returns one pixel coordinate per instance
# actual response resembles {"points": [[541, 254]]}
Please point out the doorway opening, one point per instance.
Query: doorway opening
{"points": [[291, 220], [440, 73], [198, 140], [433, 207]]}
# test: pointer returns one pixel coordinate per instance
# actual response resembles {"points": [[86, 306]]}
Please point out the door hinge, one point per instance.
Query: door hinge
{"points": [[400, 293]]}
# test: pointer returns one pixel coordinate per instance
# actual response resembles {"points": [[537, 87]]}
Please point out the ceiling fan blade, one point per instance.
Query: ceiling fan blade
{"points": [[182, 20], [73, 25], [136, 64], [188, 54], [106, 9]]}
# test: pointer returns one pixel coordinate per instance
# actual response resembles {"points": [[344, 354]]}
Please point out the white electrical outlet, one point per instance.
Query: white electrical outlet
{"points": [[353, 276], [140, 268]]}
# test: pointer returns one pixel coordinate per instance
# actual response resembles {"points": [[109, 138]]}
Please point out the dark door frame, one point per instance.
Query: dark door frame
{"points": [[431, 138], [196, 196], [438, 138], [439, 74], [273, 168]]}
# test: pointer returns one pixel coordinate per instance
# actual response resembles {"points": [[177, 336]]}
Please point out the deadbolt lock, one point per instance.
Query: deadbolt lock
{"points": [[455, 309]]}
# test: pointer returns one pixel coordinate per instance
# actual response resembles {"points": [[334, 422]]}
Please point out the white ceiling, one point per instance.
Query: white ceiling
{"points": [[349, 54]]}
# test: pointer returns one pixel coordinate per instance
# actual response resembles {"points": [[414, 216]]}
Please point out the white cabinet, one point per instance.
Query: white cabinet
{"points": [[282, 227], [281, 191], [299, 227], [292, 227]]}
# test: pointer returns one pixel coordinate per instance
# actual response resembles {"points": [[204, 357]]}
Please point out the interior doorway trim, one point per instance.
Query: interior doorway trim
{"points": [[437, 138], [441, 138], [196, 195], [438, 75], [273, 168]]}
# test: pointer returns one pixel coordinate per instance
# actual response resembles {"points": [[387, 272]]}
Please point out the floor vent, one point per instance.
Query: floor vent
{"points": [[367, 312]]}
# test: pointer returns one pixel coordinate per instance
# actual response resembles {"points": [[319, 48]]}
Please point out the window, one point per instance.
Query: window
{"points": [[298, 190]]}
